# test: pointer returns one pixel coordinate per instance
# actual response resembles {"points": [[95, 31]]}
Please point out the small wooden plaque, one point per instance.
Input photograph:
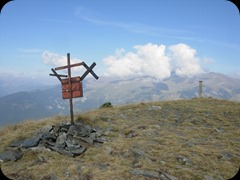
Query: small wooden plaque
{"points": [[76, 88]]}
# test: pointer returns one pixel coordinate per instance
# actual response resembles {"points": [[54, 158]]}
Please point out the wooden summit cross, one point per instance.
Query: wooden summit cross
{"points": [[72, 86]]}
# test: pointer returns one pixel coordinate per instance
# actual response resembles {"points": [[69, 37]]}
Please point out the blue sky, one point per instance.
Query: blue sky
{"points": [[124, 37]]}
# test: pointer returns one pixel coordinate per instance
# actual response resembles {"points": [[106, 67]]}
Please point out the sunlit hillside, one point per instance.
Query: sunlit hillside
{"points": [[181, 139]]}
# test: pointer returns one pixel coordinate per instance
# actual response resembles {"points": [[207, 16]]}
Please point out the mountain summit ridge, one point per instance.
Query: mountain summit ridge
{"points": [[48, 102]]}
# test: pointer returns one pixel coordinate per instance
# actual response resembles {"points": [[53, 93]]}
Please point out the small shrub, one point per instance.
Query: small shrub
{"points": [[106, 105]]}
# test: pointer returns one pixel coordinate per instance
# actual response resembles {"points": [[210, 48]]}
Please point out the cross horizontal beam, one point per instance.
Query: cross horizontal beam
{"points": [[59, 75], [72, 65]]}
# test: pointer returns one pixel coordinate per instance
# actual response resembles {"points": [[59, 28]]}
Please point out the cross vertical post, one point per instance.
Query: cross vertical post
{"points": [[70, 89], [72, 86]]}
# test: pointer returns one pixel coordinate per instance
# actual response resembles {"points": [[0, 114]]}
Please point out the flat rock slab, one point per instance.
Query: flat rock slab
{"points": [[153, 174], [32, 142], [78, 151], [48, 135], [150, 174], [76, 130], [45, 129], [16, 143], [11, 155], [60, 142]]}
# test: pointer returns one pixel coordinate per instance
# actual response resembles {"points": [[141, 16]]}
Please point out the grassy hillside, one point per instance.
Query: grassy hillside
{"points": [[187, 139]]}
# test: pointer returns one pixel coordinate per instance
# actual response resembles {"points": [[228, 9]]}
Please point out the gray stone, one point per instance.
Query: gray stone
{"points": [[163, 163], [55, 130], [155, 108], [27, 177], [53, 177], [80, 141], [86, 140], [93, 130], [78, 123], [165, 176], [123, 116], [142, 127], [72, 143], [93, 136], [218, 175], [32, 142], [67, 173], [102, 166], [99, 140], [227, 155], [11, 155], [219, 130], [150, 174], [49, 177], [46, 143], [179, 120], [108, 149], [78, 151], [137, 153], [48, 135], [62, 151], [207, 177], [61, 139], [105, 132], [183, 160], [79, 170], [16, 143], [75, 130], [39, 161], [65, 123], [87, 128], [64, 128], [137, 165], [45, 129], [132, 134]]}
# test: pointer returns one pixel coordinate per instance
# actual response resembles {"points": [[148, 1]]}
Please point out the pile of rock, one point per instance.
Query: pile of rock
{"points": [[66, 139]]}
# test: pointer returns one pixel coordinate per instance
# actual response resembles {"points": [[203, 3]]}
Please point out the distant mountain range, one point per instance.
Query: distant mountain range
{"points": [[47, 102], [10, 83]]}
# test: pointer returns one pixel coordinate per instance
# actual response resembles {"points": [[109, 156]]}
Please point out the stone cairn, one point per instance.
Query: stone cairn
{"points": [[66, 139]]}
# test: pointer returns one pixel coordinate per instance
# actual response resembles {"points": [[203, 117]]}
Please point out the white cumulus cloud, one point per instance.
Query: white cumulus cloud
{"points": [[56, 60], [149, 59], [154, 60], [185, 61]]}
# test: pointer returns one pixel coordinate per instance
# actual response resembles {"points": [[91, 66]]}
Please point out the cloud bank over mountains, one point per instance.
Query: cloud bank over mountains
{"points": [[153, 60]]}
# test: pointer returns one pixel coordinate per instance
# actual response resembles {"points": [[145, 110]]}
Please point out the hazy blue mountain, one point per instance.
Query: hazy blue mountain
{"points": [[10, 84], [48, 102]]}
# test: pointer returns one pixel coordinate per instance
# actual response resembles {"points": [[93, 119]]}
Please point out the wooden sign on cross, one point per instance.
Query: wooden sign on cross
{"points": [[72, 86]]}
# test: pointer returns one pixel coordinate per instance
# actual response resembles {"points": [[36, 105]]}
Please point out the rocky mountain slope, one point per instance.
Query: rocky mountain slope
{"points": [[181, 139], [43, 103]]}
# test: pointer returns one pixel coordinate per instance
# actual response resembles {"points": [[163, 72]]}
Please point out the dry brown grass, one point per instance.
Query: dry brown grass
{"points": [[206, 131]]}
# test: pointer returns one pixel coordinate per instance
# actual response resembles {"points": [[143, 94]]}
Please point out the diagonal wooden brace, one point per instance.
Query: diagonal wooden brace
{"points": [[89, 70], [57, 75]]}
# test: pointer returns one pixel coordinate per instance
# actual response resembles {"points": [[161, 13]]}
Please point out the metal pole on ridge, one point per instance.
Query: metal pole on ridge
{"points": [[200, 89]]}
